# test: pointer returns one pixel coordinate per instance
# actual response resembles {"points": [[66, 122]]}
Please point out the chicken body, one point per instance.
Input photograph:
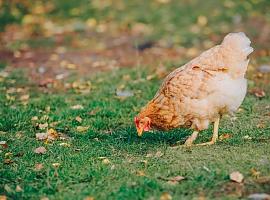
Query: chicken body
{"points": [[204, 89]]}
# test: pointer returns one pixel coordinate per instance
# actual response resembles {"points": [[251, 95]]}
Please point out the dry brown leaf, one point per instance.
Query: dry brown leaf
{"points": [[38, 166], [140, 173], [260, 125], [52, 134], [42, 126], [163, 1], [78, 119], [158, 154], [176, 179], [8, 161], [82, 128], [225, 136], [41, 136], [35, 118], [255, 173], [173, 180], [3, 197], [165, 196], [40, 150], [18, 189], [258, 93], [89, 198], [25, 97], [77, 107], [236, 177], [4, 144]]}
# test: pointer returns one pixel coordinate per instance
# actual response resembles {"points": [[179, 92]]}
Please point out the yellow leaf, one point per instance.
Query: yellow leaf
{"points": [[140, 173], [82, 128], [165, 196], [106, 161], [56, 165]]}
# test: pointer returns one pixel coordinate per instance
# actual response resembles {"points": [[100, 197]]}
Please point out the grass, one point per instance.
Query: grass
{"points": [[112, 135]]}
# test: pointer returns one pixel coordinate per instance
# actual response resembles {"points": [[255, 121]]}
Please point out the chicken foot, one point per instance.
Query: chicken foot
{"points": [[215, 135], [191, 139]]}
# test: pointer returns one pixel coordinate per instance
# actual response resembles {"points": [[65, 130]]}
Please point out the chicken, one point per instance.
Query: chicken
{"points": [[201, 91]]}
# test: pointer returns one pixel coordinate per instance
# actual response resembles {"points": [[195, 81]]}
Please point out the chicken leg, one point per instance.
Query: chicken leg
{"points": [[191, 139], [215, 135]]}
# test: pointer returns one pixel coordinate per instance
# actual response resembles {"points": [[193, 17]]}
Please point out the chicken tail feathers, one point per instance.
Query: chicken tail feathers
{"points": [[238, 42], [236, 47]]}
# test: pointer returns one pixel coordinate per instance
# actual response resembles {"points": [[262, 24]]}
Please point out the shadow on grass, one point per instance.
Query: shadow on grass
{"points": [[129, 135]]}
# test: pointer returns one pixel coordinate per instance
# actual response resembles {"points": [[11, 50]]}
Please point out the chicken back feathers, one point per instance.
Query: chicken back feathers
{"points": [[208, 86]]}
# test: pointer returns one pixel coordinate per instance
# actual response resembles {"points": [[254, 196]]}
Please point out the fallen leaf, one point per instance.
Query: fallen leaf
{"points": [[18, 189], [149, 155], [76, 107], [8, 161], [4, 144], [43, 126], [25, 97], [176, 179], [263, 180], [38, 166], [44, 198], [259, 196], [64, 144], [35, 118], [52, 134], [260, 125], [236, 177], [158, 154], [56, 165], [8, 154], [140, 173], [106, 161], [165, 196], [78, 119], [225, 136], [247, 137], [202, 20], [7, 188], [258, 93], [3, 197], [41, 136], [255, 173], [173, 180], [40, 150], [89, 198], [82, 128]]}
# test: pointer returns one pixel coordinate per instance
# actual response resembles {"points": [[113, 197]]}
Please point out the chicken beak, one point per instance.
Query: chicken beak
{"points": [[140, 131]]}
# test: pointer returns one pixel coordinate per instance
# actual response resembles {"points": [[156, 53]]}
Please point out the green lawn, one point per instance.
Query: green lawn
{"points": [[112, 135], [107, 160]]}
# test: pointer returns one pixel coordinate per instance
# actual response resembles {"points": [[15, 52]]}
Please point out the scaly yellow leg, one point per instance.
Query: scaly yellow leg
{"points": [[215, 135], [191, 139]]}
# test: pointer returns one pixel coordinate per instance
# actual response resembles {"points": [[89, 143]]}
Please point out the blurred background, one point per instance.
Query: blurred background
{"points": [[52, 38]]}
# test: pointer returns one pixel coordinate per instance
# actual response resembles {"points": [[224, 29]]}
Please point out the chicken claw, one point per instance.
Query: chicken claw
{"points": [[215, 135]]}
